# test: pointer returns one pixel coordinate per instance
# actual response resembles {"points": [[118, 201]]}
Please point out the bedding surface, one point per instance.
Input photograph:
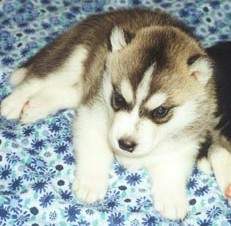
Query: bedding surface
{"points": [[37, 161]]}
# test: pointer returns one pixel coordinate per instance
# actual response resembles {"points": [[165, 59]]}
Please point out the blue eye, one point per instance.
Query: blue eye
{"points": [[159, 112]]}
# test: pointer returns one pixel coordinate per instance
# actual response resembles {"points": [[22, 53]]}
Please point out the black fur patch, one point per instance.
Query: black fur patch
{"points": [[204, 147], [221, 55], [128, 36]]}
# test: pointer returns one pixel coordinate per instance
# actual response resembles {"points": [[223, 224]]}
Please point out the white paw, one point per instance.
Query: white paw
{"points": [[220, 160], [204, 165], [35, 109], [171, 204], [89, 189], [11, 106]]}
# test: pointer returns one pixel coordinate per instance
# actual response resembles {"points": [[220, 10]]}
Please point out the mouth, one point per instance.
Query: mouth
{"points": [[118, 151], [131, 155]]}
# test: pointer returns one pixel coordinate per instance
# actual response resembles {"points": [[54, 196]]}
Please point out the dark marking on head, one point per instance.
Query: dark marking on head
{"points": [[147, 58]]}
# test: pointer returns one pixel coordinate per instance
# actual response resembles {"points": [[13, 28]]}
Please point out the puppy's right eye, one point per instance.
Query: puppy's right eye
{"points": [[118, 102]]}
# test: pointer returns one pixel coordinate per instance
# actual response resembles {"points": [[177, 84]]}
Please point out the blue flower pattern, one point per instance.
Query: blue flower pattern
{"points": [[37, 162]]}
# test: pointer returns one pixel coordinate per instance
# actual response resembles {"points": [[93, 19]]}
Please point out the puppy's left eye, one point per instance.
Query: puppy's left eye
{"points": [[118, 102], [159, 112]]}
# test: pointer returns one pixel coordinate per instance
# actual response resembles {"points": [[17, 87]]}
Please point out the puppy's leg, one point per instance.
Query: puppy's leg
{"points": [[220, 160], [204, 165], [169, 185], [34, 76], [49, 100], [93, 154]]}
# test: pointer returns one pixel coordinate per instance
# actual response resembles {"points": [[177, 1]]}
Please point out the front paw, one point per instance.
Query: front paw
{"points": [[90, 189], [171, 203]]}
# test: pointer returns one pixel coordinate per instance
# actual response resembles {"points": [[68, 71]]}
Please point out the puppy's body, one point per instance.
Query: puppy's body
{"points": [[145, 92]]}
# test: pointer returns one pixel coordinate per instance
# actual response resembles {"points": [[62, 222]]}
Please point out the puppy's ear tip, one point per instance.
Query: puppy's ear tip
{"points": [[119, 38], [201, 67]]}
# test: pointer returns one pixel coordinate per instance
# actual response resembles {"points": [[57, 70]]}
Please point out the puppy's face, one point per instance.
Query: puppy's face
{"points": [[154, 87]]}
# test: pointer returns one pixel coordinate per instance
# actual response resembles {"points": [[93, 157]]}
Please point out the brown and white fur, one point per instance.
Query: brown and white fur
{"points": [[145, 93]]}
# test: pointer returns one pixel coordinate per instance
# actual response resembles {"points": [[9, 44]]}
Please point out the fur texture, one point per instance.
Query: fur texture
{"points": [[145, 93]]}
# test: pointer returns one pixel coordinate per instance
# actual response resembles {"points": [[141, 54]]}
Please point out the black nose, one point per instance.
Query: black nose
{"points": [[127, 145]]}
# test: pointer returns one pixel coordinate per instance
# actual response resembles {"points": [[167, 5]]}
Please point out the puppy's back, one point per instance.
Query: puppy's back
{"points": [[94, 33]]}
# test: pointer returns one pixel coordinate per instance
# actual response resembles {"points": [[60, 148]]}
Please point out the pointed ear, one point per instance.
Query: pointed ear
{"points": [[119, 39], [200, 68]]}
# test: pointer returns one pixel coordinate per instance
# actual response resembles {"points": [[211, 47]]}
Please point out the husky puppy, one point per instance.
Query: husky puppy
{"points": [[145, 92]]}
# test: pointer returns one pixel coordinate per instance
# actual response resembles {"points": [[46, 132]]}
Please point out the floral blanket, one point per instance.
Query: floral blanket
{"points": [[37, 162]]}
